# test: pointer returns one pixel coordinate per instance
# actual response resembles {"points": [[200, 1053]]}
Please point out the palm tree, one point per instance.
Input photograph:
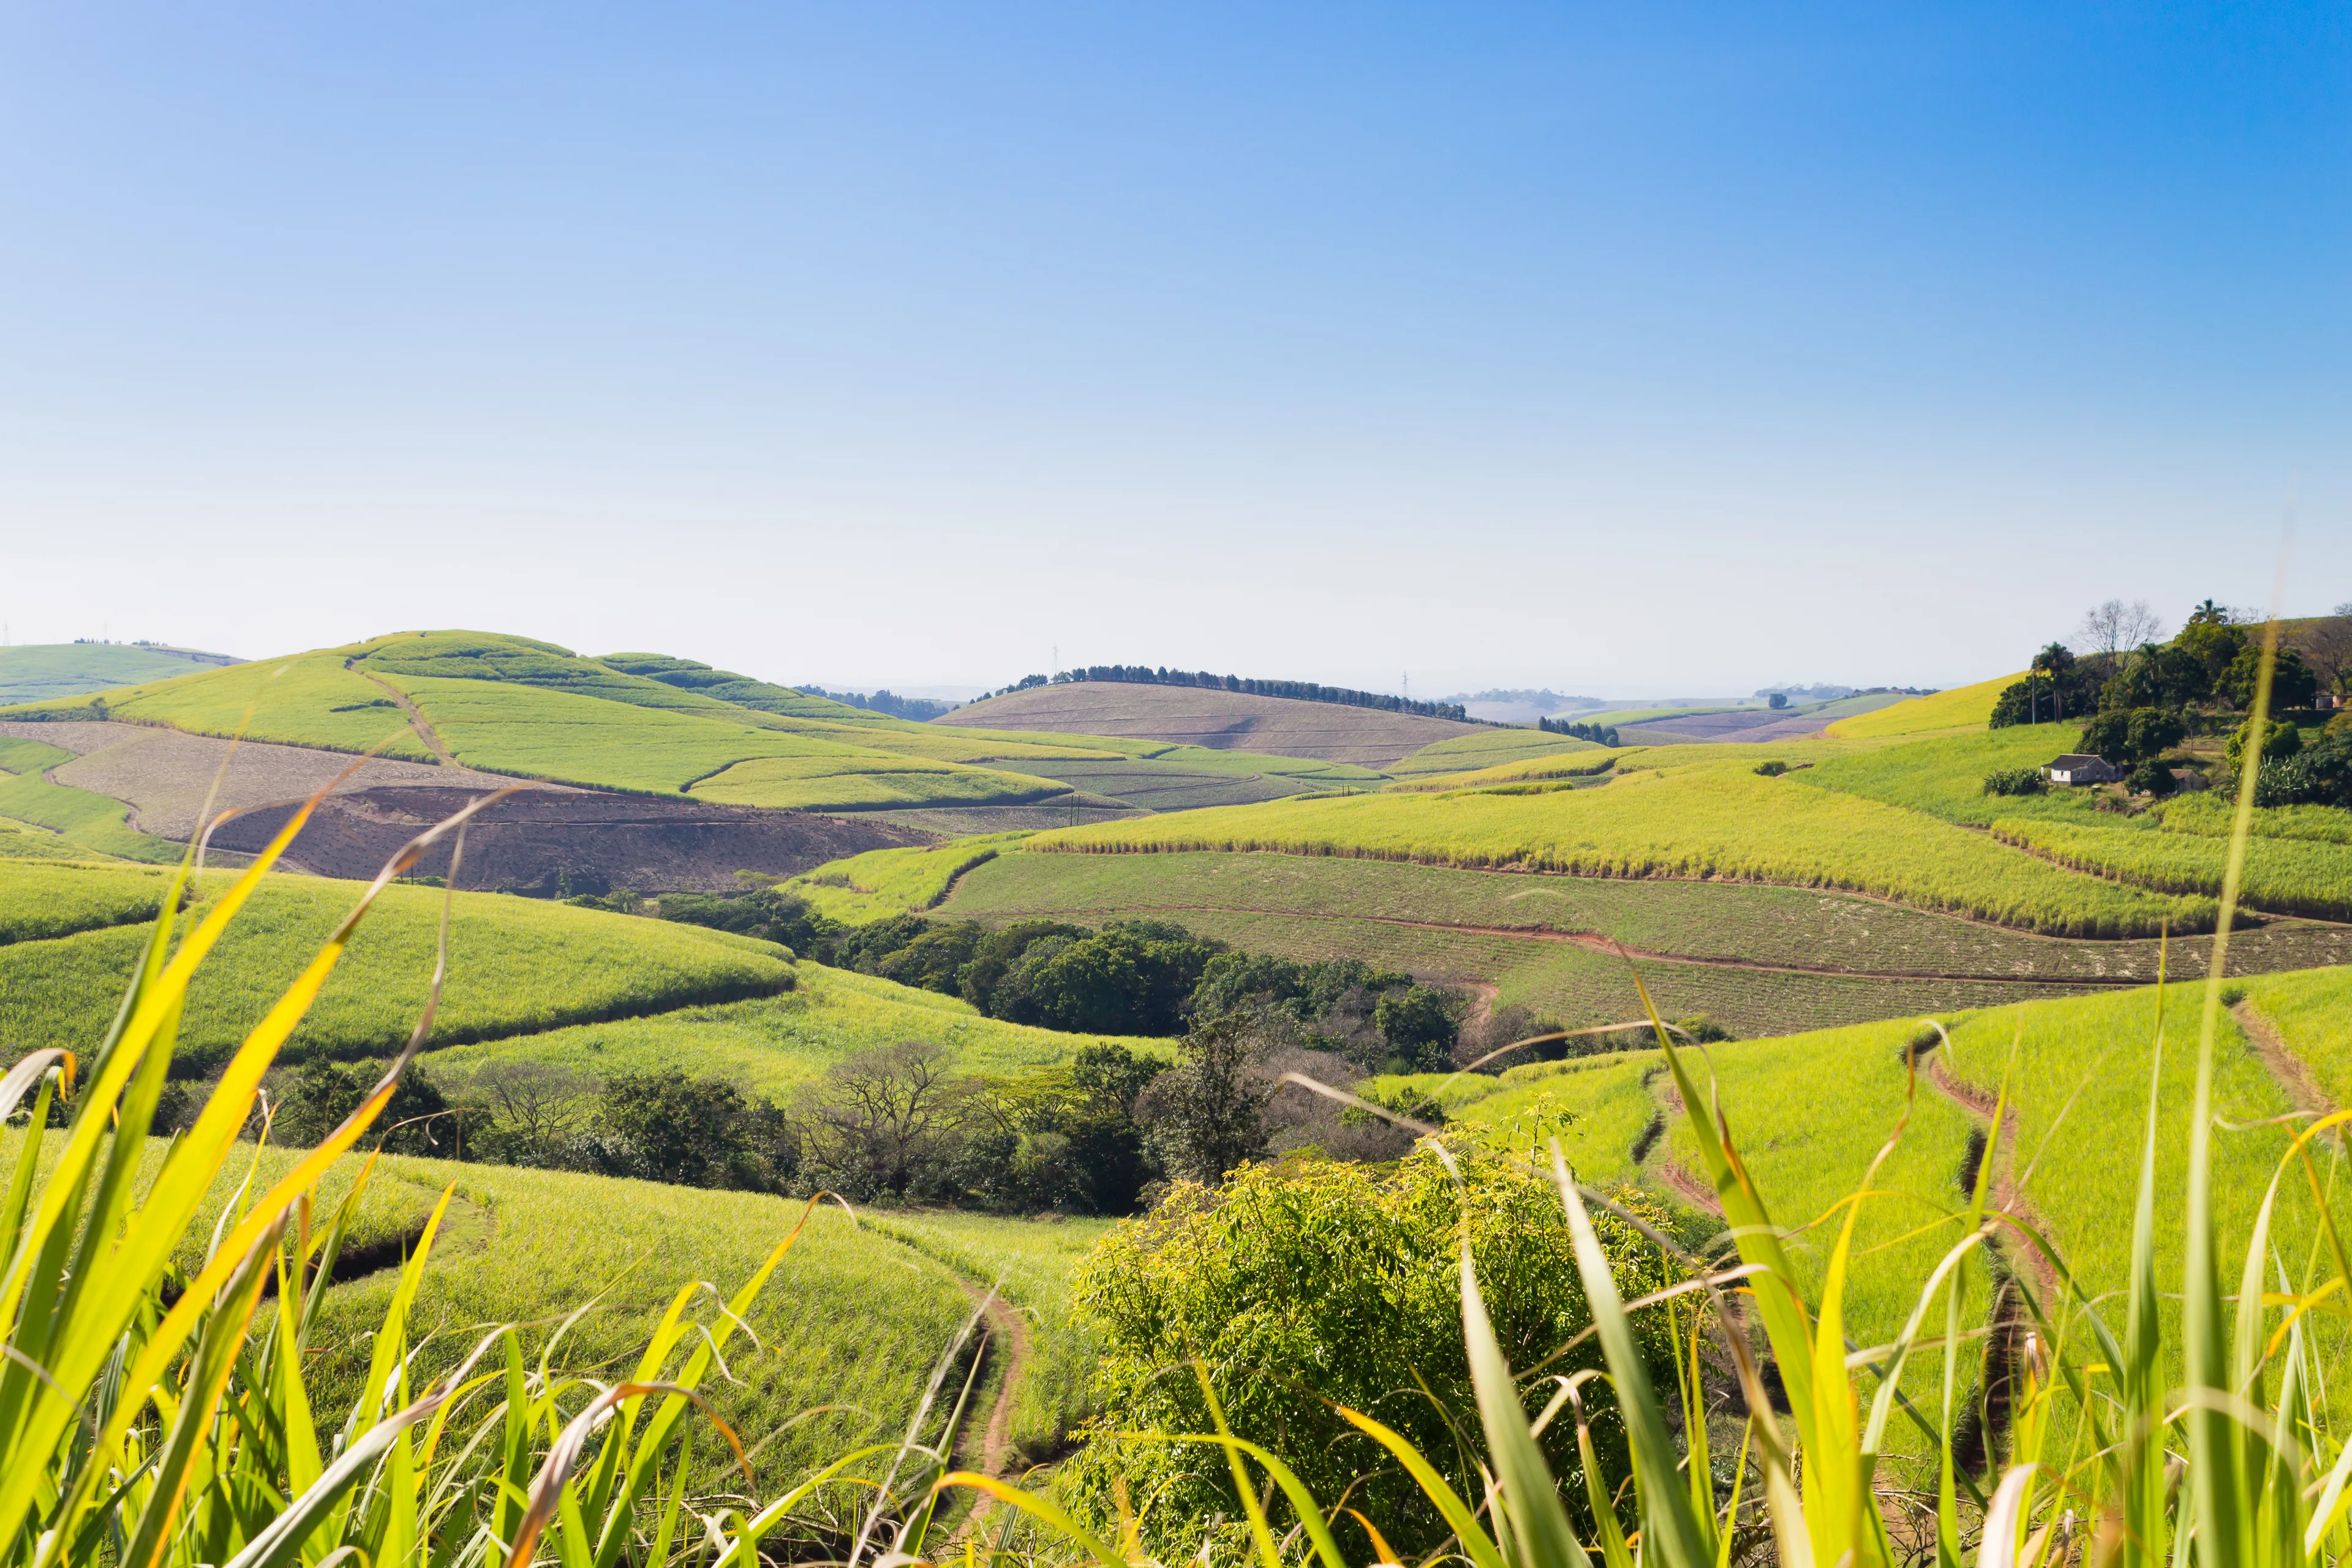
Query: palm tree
{"points": [[2054, 661]]}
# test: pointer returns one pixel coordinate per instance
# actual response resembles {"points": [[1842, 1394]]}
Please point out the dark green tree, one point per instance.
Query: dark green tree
{"points": [[1207, 1114], [317, 1096], [1420, 1026]]}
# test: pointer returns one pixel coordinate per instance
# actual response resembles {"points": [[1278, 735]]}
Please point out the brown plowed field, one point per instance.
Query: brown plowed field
{"points": [[163, 775], [1229, 720], [537, 841]]}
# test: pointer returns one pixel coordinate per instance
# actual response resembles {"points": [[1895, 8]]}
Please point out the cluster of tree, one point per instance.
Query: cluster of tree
{"points": [[2293, 771], [1605, 734], [1154, 977], [897, 1125], [1302, 690], [918, 709], [2210, 663]]}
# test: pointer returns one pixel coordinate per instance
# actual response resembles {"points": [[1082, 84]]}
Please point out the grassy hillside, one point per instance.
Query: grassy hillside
{"points": [[853, 1321], [306, 700], [84, 823], [774, 1043], [1486, 748], [2283, 876], [1731, 923], [1719, 820], [885, 882], [1963, 707], [1203, 716], [1945, 776], [517, 964], [2083, 1071], [651, 724], [43, 900], [1030, 1263], [50, 672]]}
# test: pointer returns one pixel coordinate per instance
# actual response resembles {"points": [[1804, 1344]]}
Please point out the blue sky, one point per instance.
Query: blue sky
{"points": [[1630, 351]]}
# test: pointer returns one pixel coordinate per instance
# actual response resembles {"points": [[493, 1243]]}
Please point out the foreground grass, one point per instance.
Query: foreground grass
{"points": [[776, 1043], [1694, 821], [519, 965], [851, 1328]]}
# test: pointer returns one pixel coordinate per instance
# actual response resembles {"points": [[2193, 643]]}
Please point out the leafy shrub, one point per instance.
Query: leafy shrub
{"points": [[2152, 778], [769, 914], [2280, 740], [1310, 1284], [1771, 769], [2015, 780]]}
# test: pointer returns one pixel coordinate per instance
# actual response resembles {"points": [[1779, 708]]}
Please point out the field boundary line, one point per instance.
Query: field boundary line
{"points": [[406, 704], [1594, 942], [2288, 1070]]}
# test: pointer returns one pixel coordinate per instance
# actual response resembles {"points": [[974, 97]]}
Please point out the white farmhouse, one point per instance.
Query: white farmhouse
{"points": [[2074, 768]]}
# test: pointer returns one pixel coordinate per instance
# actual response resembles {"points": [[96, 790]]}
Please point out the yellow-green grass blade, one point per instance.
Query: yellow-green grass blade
{"points": [[1476, 1545], [318, 1505], [550, 1491], [643, 1468], [1532, 1504], [1028, 1502], [2216, 1463], [1310, 1514], [155, 1228], [216, 1354], [1672, 1533]]}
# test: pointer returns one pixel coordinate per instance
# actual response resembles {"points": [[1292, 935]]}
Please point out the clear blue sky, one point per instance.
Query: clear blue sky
{"points": [[1623, 348]]}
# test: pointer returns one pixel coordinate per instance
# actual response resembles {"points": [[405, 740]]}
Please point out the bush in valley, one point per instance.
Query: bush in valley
{"points": [[1132, 977], [2015, 780], [2317, 775], [316, 1097], [769, 914], [1770, 769], [1420, 1023], [2151, 778], [1352, 1273], [666, 1126]]}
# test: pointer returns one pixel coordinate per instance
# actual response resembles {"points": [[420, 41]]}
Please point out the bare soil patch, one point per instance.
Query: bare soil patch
{"points": [[1228, 721], [163, 775], [542, 842]]}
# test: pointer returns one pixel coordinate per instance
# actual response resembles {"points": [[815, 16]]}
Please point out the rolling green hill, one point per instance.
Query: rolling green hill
{"points": [[655, 724], [1705, 813], [49, 672], [2082, 1073]]}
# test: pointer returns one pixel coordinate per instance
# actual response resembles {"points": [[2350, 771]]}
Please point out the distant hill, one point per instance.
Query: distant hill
{"points": [[45, 672], [1225, 720], [475, 708]]}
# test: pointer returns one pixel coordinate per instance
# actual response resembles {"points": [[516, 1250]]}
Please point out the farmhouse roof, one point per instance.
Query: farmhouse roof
{"points": [[2075, 760]]}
